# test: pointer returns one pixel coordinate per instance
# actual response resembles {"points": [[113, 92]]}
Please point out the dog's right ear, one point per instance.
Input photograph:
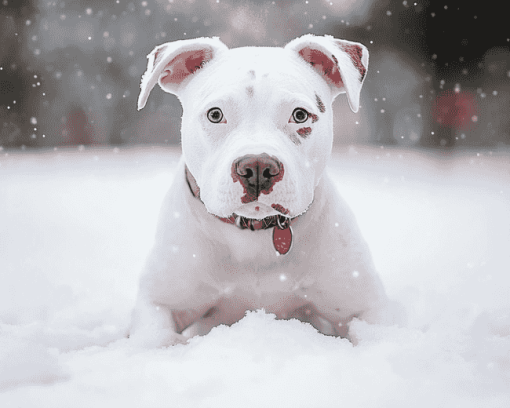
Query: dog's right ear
{"points": [[343, 64], [170, 64]]}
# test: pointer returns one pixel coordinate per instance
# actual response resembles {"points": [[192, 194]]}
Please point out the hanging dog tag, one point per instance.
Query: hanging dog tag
{"points": [[282, 240]]}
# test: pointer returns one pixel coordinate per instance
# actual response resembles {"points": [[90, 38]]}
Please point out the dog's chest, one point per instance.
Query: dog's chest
{"points": [[244, 246], [275, 290]]}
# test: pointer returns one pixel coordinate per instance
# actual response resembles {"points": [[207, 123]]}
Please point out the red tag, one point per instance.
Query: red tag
{"points": [[282, 240]]}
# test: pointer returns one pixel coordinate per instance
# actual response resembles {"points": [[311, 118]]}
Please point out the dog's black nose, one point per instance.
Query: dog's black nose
{"points": [[257, 174]]}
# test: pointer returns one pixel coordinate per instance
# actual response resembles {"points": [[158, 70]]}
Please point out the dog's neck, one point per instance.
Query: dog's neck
{"points": [[282, 233]]}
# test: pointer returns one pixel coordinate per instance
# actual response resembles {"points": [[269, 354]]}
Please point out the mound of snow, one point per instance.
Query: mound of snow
{"points": [[75, 227]]}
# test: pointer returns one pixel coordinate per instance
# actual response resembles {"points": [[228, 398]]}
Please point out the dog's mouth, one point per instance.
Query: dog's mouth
{"points": [[257, 216], [253, 215], [241, 222], [258, 211]]}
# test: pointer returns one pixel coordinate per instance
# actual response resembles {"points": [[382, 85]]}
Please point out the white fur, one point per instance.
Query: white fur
{"points": [[200, 262]]}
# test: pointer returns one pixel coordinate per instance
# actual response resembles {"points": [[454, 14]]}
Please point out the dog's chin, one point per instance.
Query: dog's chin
{"points": [[256, 210]]}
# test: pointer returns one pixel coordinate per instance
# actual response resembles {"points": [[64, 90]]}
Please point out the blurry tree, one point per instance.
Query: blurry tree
{"points": [[395, 96], [18, 80], [458, 36], [61, 56], [455, 48]]}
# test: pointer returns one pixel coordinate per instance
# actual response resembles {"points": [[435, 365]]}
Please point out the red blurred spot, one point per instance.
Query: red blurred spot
{"points": [[455, 110], [77, 129]]}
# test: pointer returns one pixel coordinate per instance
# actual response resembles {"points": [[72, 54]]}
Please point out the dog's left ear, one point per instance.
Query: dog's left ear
{"points": [[172, 63], [343, 64]]}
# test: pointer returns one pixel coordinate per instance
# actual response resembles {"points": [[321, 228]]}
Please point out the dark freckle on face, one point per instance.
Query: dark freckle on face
{"points": [[315, 118], [304, 132], [320, 104], [249, 91]]}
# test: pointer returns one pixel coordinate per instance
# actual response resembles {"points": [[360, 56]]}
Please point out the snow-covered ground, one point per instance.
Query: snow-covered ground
{"points": [[75, 227]]}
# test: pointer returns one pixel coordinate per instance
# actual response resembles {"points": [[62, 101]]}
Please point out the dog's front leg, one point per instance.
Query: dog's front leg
{"points": [[153, 325]]}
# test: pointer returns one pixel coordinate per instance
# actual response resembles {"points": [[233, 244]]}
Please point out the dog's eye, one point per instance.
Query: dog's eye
{"points": [[299, 115], [215, 115]]}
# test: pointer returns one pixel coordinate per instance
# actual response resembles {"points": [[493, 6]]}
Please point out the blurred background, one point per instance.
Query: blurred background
{"points": [[439, 74]]}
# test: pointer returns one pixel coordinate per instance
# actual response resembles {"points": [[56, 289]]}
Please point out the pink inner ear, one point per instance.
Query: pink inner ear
{"points": [[324, 65], [184, 65], [356, 53]]}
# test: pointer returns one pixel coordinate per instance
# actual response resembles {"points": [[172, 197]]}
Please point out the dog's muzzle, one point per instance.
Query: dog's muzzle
{"points": [[282, 231], [257, 174]]}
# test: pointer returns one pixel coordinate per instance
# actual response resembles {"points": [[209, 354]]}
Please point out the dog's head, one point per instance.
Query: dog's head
{"points": [[257, 127]]}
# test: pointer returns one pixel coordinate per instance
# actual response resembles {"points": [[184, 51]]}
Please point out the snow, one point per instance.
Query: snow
{"points": [[76, 226]]}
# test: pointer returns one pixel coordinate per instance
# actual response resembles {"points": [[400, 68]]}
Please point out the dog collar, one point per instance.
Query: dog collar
{"points": [[282, 231]]}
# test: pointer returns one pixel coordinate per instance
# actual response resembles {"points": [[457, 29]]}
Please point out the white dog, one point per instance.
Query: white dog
{"points": [[252, 220]]}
